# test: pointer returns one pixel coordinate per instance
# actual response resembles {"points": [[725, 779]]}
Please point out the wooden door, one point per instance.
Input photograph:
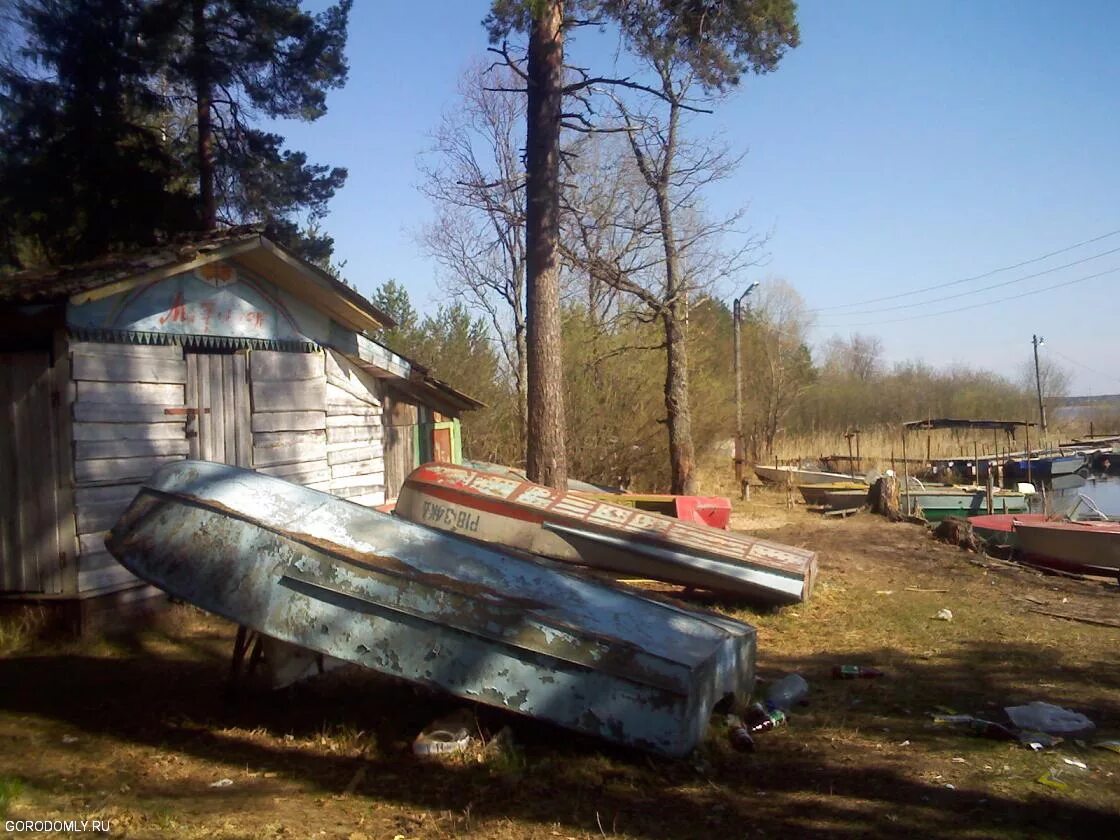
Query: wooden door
{"points": [[30, 556], [219, 422]]}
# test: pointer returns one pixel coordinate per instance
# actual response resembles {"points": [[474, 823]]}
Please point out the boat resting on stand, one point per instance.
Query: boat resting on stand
{"points": [[609, 537], [345, 581], [797, 475]]}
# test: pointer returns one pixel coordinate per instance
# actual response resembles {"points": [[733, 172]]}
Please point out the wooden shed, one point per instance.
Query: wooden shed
{"points": [[226, 348]]}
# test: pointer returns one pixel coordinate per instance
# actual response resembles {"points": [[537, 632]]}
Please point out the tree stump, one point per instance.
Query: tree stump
{"points": [[884, 498]]}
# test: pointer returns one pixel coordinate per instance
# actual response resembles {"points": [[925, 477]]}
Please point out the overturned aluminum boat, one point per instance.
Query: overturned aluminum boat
{"points": [[338, 578], [597, 533]]}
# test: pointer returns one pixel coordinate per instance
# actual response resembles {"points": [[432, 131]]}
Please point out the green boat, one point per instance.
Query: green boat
{"points": [[937, 503]]}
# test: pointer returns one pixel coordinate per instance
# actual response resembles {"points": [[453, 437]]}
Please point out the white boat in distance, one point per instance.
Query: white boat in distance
{"points": [[782, 475]]}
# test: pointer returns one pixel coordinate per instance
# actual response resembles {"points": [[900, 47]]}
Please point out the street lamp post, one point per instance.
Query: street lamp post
{"points": [[737, 320], [1036, 340]]}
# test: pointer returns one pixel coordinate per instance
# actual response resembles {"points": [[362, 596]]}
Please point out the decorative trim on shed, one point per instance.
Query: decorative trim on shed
{"points": [[199, 342]]}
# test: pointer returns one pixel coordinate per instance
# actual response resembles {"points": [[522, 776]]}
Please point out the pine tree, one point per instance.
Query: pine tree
{"points": [[228, 62], [83, 165]]}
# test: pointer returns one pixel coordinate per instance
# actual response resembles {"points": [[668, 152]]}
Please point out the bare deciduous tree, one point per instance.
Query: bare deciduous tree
{"points": [[475, 178]]}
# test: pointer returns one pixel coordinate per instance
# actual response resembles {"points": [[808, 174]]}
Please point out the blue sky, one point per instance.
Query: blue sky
{"points": [[903, 145]]}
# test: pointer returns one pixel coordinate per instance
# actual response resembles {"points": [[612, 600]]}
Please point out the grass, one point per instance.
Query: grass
{"points": [[137, 733], [10, 789]]}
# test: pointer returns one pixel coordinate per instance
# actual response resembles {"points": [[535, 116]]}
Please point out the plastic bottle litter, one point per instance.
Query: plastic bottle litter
{"points": [[450, 734], [991, 729], [787, 692], [1046, 717], [854, 672], [762, 718]]}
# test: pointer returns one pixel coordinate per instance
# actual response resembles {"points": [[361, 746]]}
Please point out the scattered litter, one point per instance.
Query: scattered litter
{"points": [[787, 692], [852, 672], [1051, 781], [70, 739], [1114, 746], [884, 591], [450, 734], [916, 589], [1046, 717], [1038, 740], [222, 783], [904, 744], [953, 718], [944, 615], [950, 786], [1074, 762], [739, 734], [959, 760], [991, 729]]}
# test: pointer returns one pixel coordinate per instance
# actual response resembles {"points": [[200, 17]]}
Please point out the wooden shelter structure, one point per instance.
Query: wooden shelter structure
{"points": [[225, 348]]}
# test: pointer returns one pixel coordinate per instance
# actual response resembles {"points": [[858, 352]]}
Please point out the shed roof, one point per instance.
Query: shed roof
{"points": [[1008, 426], [246, 245]]}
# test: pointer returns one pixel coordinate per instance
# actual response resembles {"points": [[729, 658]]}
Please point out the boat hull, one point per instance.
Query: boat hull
{"points": [[936, 504], [999, 528], [782, 475], [340, 579], [839, 495], [572, 528], [1092, 547]]}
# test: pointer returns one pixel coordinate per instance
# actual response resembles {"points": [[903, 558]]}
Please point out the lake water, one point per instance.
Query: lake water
{"points": [[1104, 490]]}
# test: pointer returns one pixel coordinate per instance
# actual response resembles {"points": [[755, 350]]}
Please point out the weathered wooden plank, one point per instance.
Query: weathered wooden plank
{"points": [[243, 415], [346, 398], [87, 449], [8, 550], [360, 452], [347, 434], [217, 409], [65, 515], [102, 368], [118, 470], [100, 412], [357, 491], [350, 444], [371, 419], [30, 542], [310, 450], [301, 473], [97, 560], [191, 427], [376, 479], [140, 393], [324, 486], [289, 421], [367, 392], [143, 351], [304, 395], [279, 366], [130, 431], [110, 577], [369, 499], [92, 543], [206, 409], [368, 467], [100, 516], [263, 440], [121, 493], [229, 412]]}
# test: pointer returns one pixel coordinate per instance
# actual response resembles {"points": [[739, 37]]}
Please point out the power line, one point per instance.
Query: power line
{"points": [[974, 305], [1082, 365], [986, 288], [972, 278]]}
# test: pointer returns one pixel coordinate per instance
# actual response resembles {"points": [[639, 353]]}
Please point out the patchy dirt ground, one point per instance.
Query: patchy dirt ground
{"points": [[138, 732]]}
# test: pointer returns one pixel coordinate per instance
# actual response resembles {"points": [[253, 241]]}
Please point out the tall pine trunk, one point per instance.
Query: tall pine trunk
{"points": [[678, 413], [674, 318], [546, 459], [203, 91]]}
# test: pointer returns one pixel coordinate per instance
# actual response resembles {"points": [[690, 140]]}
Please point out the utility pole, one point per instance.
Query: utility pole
{"points": [[737, 320], [1036, 341]]}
